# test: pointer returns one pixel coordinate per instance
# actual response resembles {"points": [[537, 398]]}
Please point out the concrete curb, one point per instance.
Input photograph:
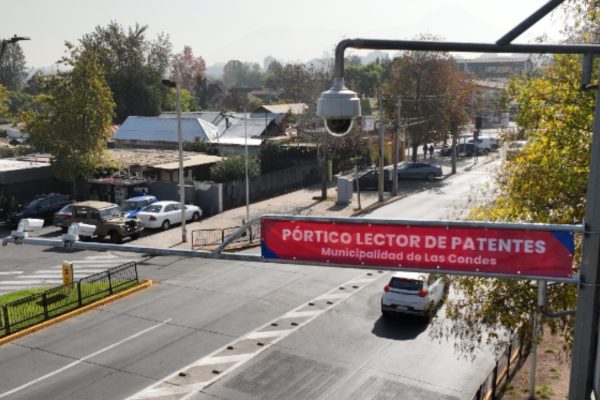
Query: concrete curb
{"points": [[143, 285]]}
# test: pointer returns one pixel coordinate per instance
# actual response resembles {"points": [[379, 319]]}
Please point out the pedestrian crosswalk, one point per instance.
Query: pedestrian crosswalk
{"points": [[17, 280]]}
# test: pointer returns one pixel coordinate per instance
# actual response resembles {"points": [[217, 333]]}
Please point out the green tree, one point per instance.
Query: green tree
{"points": [[237, 74], [545, 183], [4, 94], [424, 81], [13, 69], [233, 167], [364, 79], [134, 67], [456, 105], [297, 82], [188, 103], [74, 123]]}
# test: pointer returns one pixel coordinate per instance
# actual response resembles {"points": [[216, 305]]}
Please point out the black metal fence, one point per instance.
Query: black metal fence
{"points": [[214, 237], [31, 310], [505, 368]]}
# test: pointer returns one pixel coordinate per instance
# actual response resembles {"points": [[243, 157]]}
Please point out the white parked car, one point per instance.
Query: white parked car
{"points": [[163, 214], [485, 143], [413, 293]]}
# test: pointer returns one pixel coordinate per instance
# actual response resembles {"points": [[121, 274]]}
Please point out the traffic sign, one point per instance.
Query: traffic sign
{"points": [[507, 250]]}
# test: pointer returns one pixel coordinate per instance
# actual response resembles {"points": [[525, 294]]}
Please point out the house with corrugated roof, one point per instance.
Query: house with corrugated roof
{"points": [[162, 133], [228, 132], [294, 108]]}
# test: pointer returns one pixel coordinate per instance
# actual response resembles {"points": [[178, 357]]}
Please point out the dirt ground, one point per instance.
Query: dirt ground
{"points": [[552, 373]]}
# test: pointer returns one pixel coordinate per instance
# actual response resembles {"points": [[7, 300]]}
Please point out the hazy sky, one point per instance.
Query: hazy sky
{"points": [[251, 30]]}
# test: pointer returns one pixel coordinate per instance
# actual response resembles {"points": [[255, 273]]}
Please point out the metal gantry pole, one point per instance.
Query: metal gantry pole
{"points": [[181, 176], [536, 327], [585, 360], [246, 169]]}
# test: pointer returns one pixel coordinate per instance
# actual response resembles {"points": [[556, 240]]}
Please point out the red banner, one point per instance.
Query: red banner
{"points": [[482, 250]]}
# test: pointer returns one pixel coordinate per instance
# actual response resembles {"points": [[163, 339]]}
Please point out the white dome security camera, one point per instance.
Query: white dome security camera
{"points": [[338, 106]]}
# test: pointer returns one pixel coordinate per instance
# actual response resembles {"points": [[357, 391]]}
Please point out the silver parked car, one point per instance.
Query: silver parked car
{"points": [[419, 170]]}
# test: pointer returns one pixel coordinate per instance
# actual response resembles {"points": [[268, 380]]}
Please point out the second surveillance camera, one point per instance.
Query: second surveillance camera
{"points": [[338, 106]]}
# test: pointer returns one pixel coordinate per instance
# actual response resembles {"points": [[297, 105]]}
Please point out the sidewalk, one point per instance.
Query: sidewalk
{"points": [[299, 202]]}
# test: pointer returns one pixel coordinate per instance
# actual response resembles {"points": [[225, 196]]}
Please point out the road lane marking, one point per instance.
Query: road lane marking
{"points": [[188, 381], [222, 359], [59, 269], [74, 363], [268, 334], [301, 314], [53, 276], [23, 282]]}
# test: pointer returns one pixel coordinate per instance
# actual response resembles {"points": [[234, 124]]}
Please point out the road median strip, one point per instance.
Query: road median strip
{"points": [[143, 285]]}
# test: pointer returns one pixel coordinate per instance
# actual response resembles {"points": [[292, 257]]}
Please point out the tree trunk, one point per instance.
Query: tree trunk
{"points": [[454, 152], [415, 152], [324, 179]]}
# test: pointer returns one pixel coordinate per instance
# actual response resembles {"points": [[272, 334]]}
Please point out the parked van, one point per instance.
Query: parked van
{"points": [[485, 143]]}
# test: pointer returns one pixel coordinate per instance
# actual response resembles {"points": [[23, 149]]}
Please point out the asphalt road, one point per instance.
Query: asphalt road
{"points": [[445, 199], [200, 307], [28, 266], [230, 330]]}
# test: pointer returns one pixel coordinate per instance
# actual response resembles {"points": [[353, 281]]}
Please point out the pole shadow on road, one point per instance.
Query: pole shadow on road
{"points": [[399, 327]]}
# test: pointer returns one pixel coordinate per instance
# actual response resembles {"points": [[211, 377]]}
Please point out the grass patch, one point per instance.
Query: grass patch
{"points": [[27, 311], [544, 392], [20, 294]]}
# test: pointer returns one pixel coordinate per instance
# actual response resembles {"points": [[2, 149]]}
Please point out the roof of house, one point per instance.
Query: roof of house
{"points": [[157, 129], [295, 108], [7, 164], [210, 116], [160, 159]]}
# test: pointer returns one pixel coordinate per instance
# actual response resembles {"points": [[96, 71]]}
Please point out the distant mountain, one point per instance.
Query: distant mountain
{"points": [[373, 56]]}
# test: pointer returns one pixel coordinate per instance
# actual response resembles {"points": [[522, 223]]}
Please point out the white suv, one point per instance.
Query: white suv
{"points": [[413, 293]]}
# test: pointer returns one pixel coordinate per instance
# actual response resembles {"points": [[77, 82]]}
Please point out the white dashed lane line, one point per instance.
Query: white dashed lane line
{"points": [[195, 377], [53, 275]]}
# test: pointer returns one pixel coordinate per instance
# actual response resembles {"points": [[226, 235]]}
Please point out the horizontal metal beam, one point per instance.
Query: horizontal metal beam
{"points": [[437, 223], [418, 45], [256, 258]]}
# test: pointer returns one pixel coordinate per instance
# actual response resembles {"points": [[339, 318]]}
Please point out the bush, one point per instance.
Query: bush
{"points": [[10, 152], [274, 156], [200, 147], [233, 167]]}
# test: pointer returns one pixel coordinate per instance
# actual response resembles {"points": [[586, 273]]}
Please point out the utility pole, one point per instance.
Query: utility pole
{"points": [[380, 182], [12, 40], [396, 148]]}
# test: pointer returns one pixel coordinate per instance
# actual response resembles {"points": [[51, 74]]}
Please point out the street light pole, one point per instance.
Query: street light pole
{"points": [[246, 156], [5, 42], [175, 85]]}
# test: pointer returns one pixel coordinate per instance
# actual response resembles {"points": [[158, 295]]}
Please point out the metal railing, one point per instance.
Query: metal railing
{"points": [[215, 237], [31, 310], [506, 366]]}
